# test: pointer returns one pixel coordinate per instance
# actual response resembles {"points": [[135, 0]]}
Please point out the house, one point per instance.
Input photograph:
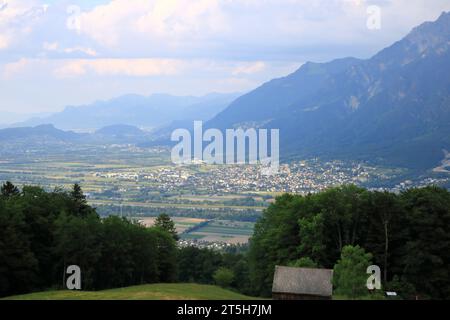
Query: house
{"points": [[302, 284]]}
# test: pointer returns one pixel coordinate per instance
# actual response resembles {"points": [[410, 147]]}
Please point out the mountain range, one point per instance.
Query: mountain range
{"points": [[47, 134], [150, 112], [393, 108]]}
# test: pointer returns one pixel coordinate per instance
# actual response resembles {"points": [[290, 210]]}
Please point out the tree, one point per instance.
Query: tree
{"points": [[304, 262], [426, 252], [144, 252], [350, 275], [238, 263], [312, 237], [167, 255], [275, 241], [223, 277], [9, 190], [18, 264], [198, 265], [166, 224], [343, 215], [116, 263], [80, 205], [78, 242], [385, 215], [404, 289]]}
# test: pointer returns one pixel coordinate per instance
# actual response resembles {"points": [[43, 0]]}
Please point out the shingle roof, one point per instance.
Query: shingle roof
{"points": [[303, 281]]}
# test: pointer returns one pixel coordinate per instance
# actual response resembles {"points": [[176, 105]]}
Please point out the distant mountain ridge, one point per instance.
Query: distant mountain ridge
{"points": [[48, 131], [47, 134], [393, 108], [153, 111], [120, 130]]}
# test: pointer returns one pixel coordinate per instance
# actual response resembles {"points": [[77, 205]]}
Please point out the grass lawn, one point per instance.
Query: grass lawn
{"points": [[144, 292]]}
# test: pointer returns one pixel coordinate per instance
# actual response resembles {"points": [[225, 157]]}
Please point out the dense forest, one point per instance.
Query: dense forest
{"points": [[345, 229], [407, 235], [44, 232]]}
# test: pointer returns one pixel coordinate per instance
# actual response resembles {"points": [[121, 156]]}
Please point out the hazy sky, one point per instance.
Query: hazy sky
{"points": [[57, 53]]}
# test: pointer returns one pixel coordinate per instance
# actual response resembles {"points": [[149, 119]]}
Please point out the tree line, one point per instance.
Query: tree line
{"points": [[406, 234], [42, 233]]}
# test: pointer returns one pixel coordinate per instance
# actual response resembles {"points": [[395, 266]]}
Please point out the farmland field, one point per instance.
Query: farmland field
{"points": [[227, 231], [233, 232], [181, 224]]}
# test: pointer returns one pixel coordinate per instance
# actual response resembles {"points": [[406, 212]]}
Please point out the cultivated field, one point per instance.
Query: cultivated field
{"points": [[227, 231], [233, 232], [181, 224]]}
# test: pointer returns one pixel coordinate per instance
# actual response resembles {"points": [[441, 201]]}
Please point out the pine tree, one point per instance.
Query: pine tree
{"points": [[9, 190], [165, 223], [80, 205]]}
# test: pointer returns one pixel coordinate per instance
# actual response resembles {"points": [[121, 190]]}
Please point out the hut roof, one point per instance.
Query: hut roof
{"points": [[303, 281]]}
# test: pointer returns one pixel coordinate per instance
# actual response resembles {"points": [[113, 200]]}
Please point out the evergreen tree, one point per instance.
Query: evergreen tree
{"points": [[9, 190], [77, 194], [164, 222], [80, 206]]}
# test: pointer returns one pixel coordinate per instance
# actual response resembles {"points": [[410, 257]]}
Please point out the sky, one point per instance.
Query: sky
{"points": [[56, 53]]}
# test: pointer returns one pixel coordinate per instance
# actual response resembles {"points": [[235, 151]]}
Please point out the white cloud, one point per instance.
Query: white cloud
{"points": [[17, 18], [199, 28], [87, 51], [4, 41], [124, 67], [55, 47], [172, 20], [249, 68], [13, 68], [239, 71]]}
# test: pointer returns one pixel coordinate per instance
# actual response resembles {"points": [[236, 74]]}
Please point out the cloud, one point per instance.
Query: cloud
{"points": [[239, 71], [86, 51], [249, 68], [172, 20], [14, 67], [17, 19], [254, 28], [50, 46], [220, 29], [123, 67], [4, 41], [55, 47]]}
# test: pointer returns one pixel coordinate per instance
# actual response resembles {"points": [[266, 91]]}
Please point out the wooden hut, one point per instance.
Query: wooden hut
{"points": [[302, 284]]}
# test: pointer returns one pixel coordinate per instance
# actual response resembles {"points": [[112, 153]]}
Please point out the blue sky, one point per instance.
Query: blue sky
{"points": [[58, 53]]}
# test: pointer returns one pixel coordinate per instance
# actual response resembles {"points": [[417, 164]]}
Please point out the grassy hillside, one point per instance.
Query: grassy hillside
{"points": [[145, 292]]}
